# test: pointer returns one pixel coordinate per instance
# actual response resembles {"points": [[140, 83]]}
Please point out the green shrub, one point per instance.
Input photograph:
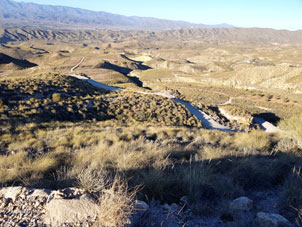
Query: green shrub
{"points": [[56, 97], [32, 100]]}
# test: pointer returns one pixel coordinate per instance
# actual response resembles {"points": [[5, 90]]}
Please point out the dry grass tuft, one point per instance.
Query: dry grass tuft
{"points": [[92, 180], [116, 204], [211, 153], [257, 140], [19, 166], [135, 154], [291, 198], [292, 128]]}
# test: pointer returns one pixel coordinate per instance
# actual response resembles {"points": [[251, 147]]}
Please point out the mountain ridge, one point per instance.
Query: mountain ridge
{"points": [[31, 14]]}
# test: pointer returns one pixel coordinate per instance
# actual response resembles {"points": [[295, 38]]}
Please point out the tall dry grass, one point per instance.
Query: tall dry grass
{"points": [[292, 128], [116, 204], [122, 156], [19, 166], [256, 139]]}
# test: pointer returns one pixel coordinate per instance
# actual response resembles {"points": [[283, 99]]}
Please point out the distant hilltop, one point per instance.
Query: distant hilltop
{"points": [[35, 15]]}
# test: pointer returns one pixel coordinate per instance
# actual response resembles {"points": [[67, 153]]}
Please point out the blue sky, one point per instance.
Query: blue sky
{"points": [[279, 14]]}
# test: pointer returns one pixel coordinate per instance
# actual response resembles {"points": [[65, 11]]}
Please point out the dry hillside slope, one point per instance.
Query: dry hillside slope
{"points": [[205, 36]]}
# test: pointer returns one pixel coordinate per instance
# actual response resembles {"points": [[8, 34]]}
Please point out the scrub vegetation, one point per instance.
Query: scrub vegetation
{"points": [[57, 131]]}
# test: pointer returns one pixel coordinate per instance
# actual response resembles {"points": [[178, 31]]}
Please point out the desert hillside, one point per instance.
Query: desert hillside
{"points": [[161, 132], [181, 37], [115, 121]]}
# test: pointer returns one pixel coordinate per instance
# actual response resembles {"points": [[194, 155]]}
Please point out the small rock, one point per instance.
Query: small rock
{"points": [[141, 208], [5, 202], [55, 195], [184, 200], [242, 204], [70, 211], [39, 193], [69, 192], [271, 220], [226, 217], [175, 207], [166, 206], [11, 192], [156, 217], [141, 205]]}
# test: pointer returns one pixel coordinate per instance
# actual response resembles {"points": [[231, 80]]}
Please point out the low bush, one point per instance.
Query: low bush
{"points": [[256, 139], [116, 204], [91, 179], [292, 128], [291, 197], [20, 167], [56, 97]]}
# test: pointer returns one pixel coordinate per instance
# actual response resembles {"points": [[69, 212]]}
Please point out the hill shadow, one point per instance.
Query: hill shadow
{"points": [[5, 60], [125, 70], [268, 116]]}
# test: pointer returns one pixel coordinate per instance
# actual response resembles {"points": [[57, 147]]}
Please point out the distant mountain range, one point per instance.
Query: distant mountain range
{"points": [[28, 21], [14, 14]]}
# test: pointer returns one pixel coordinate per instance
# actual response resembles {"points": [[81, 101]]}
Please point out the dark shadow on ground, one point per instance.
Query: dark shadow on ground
{"points": [[126, 70], [135, 80], [211, 181], [270, 117], [207, 181], [5, 59]]}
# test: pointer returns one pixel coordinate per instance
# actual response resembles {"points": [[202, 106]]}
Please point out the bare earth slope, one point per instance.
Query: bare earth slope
{"points": [[206, 36]]}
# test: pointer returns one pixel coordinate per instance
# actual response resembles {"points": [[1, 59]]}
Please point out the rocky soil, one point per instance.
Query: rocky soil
{"points": [[21, 206]]}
